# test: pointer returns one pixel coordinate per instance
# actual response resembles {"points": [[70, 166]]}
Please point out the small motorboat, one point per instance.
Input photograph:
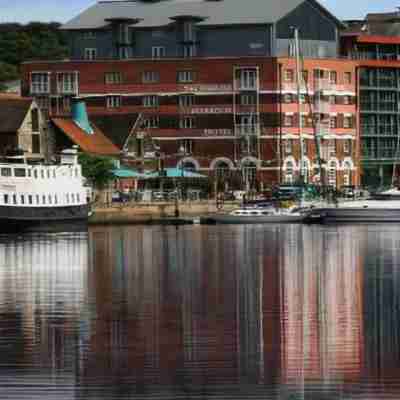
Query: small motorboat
{"points": [[260, 215]]}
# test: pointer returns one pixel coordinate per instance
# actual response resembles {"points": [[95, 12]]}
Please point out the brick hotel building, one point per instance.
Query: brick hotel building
{"points": [[215, 78]]}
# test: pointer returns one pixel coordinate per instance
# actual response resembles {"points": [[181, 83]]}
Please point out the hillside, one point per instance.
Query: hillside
{"points": [[35, 40]]}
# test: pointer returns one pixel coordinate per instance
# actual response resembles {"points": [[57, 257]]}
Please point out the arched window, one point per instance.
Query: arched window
{"points": [[188, 166], [221, 169]]}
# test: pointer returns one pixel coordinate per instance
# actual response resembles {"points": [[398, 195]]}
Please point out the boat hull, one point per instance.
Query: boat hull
{"points": [[268, 219], [354, 215], [50, 219]]}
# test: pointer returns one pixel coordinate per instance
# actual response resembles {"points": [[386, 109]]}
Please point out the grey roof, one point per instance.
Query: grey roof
{"points": [[153, 14]]}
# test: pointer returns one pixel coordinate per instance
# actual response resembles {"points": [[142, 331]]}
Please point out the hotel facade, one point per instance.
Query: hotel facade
{"points": [[214, 87]]}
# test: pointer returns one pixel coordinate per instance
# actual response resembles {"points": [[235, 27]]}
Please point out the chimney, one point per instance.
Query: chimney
{"points": [[80, 117]]}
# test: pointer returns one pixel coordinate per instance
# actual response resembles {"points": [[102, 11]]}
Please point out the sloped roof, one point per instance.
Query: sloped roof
{"points": [[116, 126], [96, 143], [13, 110], [153, 14]]}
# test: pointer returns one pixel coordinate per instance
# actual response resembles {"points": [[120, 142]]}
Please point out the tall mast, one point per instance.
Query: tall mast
{"points": [[299, 82]]}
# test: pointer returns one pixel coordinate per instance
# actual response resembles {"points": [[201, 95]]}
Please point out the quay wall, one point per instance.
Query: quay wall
{"points": [[151, 212]]}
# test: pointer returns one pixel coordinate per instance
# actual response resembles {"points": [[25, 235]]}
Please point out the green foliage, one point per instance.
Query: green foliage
{"points": [[97, 170], [35, 40]]}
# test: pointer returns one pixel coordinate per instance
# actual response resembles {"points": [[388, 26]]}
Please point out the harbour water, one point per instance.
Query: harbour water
{"points": [[202, 312]]}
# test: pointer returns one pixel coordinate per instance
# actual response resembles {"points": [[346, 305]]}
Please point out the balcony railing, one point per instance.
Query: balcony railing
{"points": [[247, 130]]}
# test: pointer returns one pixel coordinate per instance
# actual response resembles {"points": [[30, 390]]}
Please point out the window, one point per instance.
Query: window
{"points": [[331, 148], [113, 77], [189, 50], [44, 199], [288, 120], [288, 146], [150, 101], [186, 100], [36, 145], [90, 53], [248, 79], [42, 174], [78, 198], [347, 77], [89, 35], [14, 199], [55, 199], [333, 77], [187, 122], [113, 101], [158, 51], [318, 73], [5, 199], [185, 76], [35, 119], [30, 199], [6, 172], [67, 198], [40, 82], [333, 122], [346, 100], [288, 98], [304, 75], [332, 99], [248, 99], [123, 53], [188, 31], [347, 121], [67, 82], [73, 198], [186, 146], [151, 122], [20, 172], [288, 75], [347, 146], [37, 199], [150, 77], [303, 98], [35, 174]]}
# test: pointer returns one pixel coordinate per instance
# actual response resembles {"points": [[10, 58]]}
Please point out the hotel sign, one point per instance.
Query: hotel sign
{"points": [[218, 132], [211, 110], [209, 88]]}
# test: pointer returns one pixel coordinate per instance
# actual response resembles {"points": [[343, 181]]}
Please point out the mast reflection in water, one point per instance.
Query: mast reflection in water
{"points": [[272, 312]]}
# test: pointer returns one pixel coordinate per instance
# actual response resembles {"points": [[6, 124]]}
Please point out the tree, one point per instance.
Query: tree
{"points": [[97, 170], [36, 40]]}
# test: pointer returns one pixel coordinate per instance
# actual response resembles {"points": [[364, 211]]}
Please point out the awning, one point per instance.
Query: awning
{"points": [[127, 173], [175, 173]]}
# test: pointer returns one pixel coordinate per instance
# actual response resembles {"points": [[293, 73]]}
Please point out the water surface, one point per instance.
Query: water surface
{"points": [[197, 312]]}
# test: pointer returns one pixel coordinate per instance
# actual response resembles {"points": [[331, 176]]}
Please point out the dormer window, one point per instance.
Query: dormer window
{"points": [[188, 31]]}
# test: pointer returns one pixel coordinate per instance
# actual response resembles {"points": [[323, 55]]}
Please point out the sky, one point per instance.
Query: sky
{"points": [[63, 10]]}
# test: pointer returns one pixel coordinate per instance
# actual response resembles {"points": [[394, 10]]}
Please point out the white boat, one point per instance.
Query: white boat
{"points": [[358, 211], [38, 196], [260, 216], [390, 194]]}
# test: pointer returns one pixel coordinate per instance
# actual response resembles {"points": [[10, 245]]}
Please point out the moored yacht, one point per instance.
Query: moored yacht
{"points": [[358, 211], [39, 195]]}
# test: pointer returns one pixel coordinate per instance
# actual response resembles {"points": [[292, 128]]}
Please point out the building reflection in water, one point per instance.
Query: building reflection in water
{"points": [[43, 284], [189, 309], [272, 312]]}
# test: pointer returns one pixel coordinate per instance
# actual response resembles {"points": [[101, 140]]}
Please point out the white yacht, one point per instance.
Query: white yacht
{"points": [[39, 195]]}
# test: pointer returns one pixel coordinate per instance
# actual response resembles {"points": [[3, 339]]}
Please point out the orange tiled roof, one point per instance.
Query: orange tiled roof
{"points": [[97, 143]]}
